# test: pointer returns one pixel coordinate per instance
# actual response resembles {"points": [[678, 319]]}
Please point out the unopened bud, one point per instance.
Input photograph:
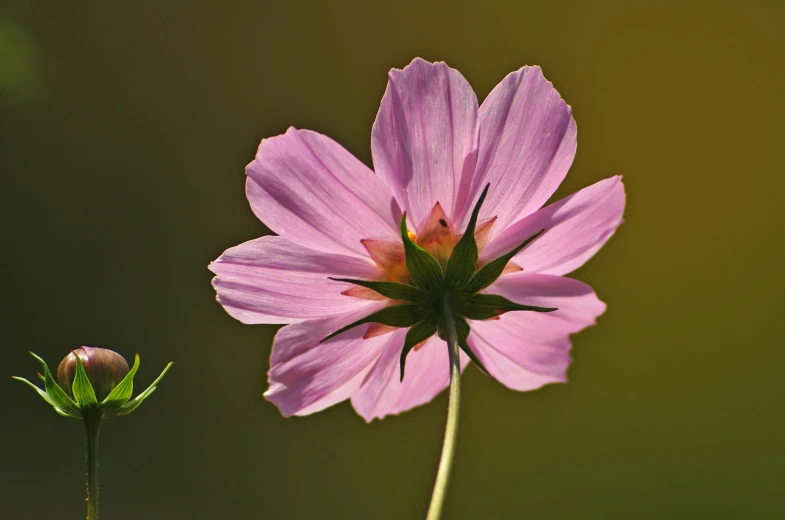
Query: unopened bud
{"points": [[104, 368], [92, 379]]}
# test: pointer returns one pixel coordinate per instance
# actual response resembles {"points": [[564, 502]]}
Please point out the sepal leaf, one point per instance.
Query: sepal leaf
{"points": [[424, 270], [493, 269], [403, 315], [131, 405], [417, 334], [56, 394], [486, 306], [124, 389], [75, 415], [82, 388], [462, 263], [393, 290], [43, 394]]}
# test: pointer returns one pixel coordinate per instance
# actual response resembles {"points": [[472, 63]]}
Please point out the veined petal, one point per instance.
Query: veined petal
{"points": [[271, 280], [307, 376], [527, 144], [427, 373], [530, 367], [576, 227], [525, 350], [307, 188], [274, 252], [424, 139], [576, 302]]}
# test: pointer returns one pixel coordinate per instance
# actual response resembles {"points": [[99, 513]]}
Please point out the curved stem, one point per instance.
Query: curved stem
{"points": [[451, 430], [92, 422]]}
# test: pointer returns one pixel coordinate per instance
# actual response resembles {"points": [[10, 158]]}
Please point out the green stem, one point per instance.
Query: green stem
{"points": [[451, 430], [92, 422]]}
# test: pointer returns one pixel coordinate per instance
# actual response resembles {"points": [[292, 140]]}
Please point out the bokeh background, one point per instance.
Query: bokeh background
{"points": [[124, 131]]}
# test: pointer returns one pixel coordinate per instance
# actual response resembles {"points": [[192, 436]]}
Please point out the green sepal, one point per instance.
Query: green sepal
{"points": [[82, 389], [394, 290], [57, 395], [485, 306], [463, 261], [122, 392], [424, 270], [493, 269], [419, 332], [462, 329], [131, 405], [67, 414], [403, 315], [43, 394]]}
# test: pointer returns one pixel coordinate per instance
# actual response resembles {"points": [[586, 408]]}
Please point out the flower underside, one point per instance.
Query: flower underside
{"points": [[433, 270]]}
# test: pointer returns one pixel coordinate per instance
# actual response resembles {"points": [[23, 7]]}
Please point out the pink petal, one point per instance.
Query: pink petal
{"points": [[527, 144], [309, 189], [575, 227], [427, 374], [307, 376], [525, 350], [274, 252], [424, 140], [272, 280]]}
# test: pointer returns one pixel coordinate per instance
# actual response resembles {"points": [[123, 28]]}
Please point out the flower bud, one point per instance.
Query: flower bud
{"points": [[104, 368]]}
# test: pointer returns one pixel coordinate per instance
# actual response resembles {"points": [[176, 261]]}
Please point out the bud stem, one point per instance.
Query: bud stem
{"points": [[92, 422], [451, 430]]}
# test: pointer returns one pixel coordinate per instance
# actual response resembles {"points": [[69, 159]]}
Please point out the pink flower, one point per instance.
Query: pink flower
{"points": [[434, 151]]}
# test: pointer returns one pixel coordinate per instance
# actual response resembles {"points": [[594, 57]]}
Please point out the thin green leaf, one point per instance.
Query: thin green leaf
{"points": [[463, 261], [58, 396], [463, 330], [492, 270], [424, 270], [485, 306], [124, 389], [394, 290], [82, 389], [131, 405], [43, 394], [403, 315], [75, 415], [418, 333]]}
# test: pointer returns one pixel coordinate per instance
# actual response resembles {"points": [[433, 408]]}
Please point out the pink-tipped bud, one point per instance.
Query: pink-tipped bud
{"points": [[104, 368]]}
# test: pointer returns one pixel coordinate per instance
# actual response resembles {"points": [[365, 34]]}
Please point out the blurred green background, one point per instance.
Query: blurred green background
{"points": [[124, 131]]}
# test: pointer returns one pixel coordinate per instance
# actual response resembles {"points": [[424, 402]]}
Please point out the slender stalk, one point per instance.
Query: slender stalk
{"points": [[92, 422], [451, 430]]}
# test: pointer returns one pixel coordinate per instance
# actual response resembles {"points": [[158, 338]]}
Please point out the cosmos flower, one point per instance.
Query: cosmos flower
{"points": [[360, 257]]}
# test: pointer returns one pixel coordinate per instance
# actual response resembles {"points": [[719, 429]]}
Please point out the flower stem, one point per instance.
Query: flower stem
{"points": [[451, 430], [92, 422]]}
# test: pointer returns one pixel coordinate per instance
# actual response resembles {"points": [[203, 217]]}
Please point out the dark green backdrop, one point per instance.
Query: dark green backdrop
{"points": [[124, 130]]}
